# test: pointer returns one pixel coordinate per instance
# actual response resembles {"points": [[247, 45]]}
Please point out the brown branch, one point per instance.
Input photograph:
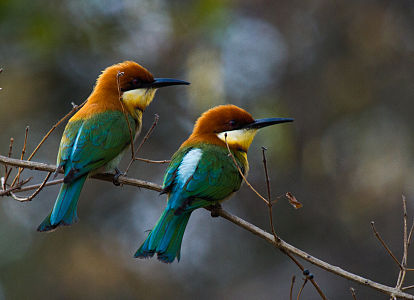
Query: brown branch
{"points": [[118, 75], [6, 170], [241, 173], [15, 187], [268, 237], [153, 161], [19, 188], [74, 109], [301, 289], [17, 178], [269, 199], [147, 135], [353, 293], [9, 155], [25, 199], [385, 245], [101, 176], [291, 287]]}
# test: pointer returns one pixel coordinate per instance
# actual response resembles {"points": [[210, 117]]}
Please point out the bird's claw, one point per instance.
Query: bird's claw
{"points": [[117, 174], [215, 210]]}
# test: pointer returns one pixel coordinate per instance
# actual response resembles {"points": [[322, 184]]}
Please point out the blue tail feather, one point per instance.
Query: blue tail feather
{"points": [[64, 211], [166, 237]]}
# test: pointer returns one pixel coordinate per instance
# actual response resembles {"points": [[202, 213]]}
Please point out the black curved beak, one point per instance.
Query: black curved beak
{"points": [[260, 123], [162, 82]]}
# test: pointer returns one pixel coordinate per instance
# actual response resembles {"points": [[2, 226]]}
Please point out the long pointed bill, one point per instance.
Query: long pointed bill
{"points": [[260, 123], [162, 82]]}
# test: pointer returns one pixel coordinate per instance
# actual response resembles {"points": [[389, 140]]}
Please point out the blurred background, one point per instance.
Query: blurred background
{"points": [[343, 69]]}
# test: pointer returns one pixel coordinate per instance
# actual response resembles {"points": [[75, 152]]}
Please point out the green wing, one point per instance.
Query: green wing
{"points": [[214, 179], [91, 143]]}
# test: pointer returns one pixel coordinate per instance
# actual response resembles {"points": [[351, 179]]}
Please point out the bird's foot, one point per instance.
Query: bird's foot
{"points": [[115, 180], [215, 210]]}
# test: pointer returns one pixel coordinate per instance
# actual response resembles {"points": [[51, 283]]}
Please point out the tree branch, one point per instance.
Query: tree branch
{"points": [[279, 244]]}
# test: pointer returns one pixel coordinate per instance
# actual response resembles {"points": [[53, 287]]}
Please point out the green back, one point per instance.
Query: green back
{"points": [[214, 179], [91, 143]]}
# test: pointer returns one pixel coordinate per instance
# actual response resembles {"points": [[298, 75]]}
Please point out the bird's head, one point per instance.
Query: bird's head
{"points": [[135, 84], [232, 124]]}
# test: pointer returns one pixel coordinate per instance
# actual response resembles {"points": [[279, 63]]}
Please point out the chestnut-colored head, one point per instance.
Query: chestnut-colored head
{"points": [[131, 76], [131, 82], [231, 124]]}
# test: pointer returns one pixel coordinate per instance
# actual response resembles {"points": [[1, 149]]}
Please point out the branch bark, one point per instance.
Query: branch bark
{"points": [[279, 244]]}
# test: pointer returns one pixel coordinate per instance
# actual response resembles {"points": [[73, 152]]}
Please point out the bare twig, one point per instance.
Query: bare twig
{"points": [[15, 187], [118, 75], [22, 155], [407, 237], [385, 245], [407, 287], [147, 135], [74, 109], [9, 155], [25, 199], [353, 293], [6, 170], [19, 189], [410, 234], [269, 200], [167, 161], [279, 244], [241, 173], [291, 287], [101, 176], [301, 289]]}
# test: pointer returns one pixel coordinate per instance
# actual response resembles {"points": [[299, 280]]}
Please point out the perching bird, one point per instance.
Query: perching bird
{"points": [[97, 135], [202, 174]]}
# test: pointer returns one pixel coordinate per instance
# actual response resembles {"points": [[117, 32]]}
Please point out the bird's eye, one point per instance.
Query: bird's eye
{"points": [[136, 82], [232, 123]]}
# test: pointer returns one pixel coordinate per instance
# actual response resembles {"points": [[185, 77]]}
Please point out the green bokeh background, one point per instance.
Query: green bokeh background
{"points": [[343, 69]]}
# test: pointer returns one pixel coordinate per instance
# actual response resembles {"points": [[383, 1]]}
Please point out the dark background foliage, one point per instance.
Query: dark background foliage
{"points": [[343, 69]]}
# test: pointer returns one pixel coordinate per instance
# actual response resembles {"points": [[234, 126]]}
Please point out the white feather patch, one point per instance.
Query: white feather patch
{"points": [[188, 165]]}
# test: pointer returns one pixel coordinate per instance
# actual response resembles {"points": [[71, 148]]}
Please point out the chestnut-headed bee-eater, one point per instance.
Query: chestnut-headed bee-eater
{"points": [[97, 135], [202, 174]]}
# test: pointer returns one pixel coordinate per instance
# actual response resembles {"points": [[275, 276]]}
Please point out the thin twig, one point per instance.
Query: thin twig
{"points": [[311, 279], [353, 293], [301, 289], [6, 170], [9, 155], [403, 271], [241, 173], [19, 189], [407, 287], [269, 200], [22, 155], [291, 287], [147, 135], [167, 161], [410, 234], [268, 237], [101, 176], [74, 109], [25, 199], [385, 245], [118, 75], [15, 187], [149, 132]]}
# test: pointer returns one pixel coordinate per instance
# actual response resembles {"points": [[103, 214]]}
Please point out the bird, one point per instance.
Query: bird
{"points": [[96, 137], [203, 174]]}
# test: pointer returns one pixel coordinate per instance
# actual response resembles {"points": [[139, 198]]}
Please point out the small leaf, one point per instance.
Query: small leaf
{"points": [[292, 200]]}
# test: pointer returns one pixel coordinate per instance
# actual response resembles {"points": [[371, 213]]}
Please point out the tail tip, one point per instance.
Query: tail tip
{"points": [[144, 253]]}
